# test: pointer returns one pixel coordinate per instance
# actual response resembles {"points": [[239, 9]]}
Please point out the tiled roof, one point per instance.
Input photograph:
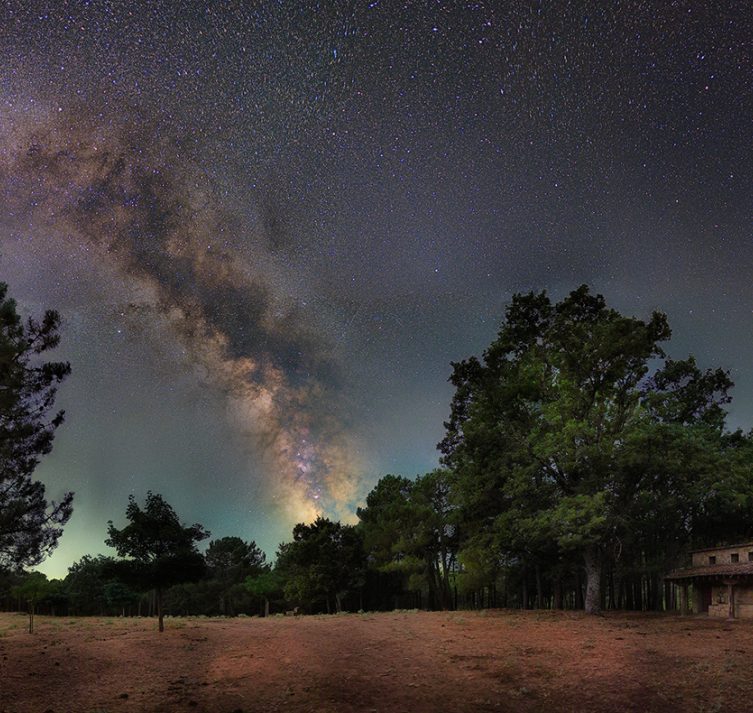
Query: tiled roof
{"points": [[713, 570], [720, 548]]}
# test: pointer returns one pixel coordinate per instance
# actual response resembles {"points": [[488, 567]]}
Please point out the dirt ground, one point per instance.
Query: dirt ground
{"points": [[402, 661]]}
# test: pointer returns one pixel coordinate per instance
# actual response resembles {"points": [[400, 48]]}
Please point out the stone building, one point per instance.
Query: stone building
{"points": [[719, 582]]}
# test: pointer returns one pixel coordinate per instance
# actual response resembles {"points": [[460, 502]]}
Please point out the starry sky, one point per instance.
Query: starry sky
{"points": [[270, 226]]}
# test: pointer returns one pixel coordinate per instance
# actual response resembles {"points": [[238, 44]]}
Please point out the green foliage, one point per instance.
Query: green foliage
{"points": [[408, 528], [32, 590], [85, 584], [325, 561], [118, 596], [230, 561], [385, 519], [265, 584], [29, 526], [561, 441]]}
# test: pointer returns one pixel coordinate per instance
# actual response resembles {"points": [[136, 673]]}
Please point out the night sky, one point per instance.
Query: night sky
{"points": [[270, 226]]}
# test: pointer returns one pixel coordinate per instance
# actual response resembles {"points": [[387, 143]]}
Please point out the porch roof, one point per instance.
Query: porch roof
{"points": [[715, 571]]}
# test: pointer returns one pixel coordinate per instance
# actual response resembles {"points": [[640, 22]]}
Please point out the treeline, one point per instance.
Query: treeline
{"points": [[580, 464], [414, 546], [94, 586]]}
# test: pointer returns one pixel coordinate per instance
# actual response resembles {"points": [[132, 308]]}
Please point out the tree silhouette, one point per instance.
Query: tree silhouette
{"points": [[32, 590], [161, 550], [265, 585], [407, 529], [229, 561], [325, 561], [29, 527], [85, 584]]}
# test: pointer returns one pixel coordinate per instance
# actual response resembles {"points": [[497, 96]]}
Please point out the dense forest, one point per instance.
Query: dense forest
{"points": [[580, 464]]}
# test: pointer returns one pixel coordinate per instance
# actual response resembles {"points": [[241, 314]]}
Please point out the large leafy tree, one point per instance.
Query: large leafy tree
{"points": [[265, 585], [325, 561], [548, 434], [408, 528], [86, 582], [230, 561], [29, 526], [161, 551]]}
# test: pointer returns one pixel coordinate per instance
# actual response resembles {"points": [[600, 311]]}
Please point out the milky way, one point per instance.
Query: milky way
{"points": [[142, 207], [271, 226]]}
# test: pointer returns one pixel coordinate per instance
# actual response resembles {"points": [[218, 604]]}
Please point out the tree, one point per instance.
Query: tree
{"points": [[407, 528], [229, 561], [32, 590], [85, 584], [547, 434], [265, 585], [325, 560], [29, 526], [119, 596], [434, 537], [161, 550]]}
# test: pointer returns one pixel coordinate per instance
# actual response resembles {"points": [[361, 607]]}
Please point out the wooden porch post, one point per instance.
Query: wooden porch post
{"points": [[684, 599], [731, 598]]}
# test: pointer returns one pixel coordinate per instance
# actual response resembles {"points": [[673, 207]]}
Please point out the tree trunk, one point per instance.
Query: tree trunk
{"points": [[338, 603], [31, 617], [539, 592], [610, 589], [592, 562], [620, 595], [656, 591], [160, 613], [558, 593], [266, 607], [435, 595], [445, 580]]}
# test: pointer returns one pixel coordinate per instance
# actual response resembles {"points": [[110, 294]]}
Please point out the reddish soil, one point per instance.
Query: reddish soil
{"points": [[404, 661]]}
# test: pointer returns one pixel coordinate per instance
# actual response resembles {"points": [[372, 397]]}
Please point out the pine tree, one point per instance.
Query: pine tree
{"points": [[29, 526]]}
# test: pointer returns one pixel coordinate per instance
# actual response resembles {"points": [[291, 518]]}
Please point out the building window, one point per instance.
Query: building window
{"points": [[712, 559], [734, 558]]}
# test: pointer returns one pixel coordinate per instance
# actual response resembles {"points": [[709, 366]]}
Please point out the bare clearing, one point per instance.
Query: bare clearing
{"points": [[402, 661]]}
